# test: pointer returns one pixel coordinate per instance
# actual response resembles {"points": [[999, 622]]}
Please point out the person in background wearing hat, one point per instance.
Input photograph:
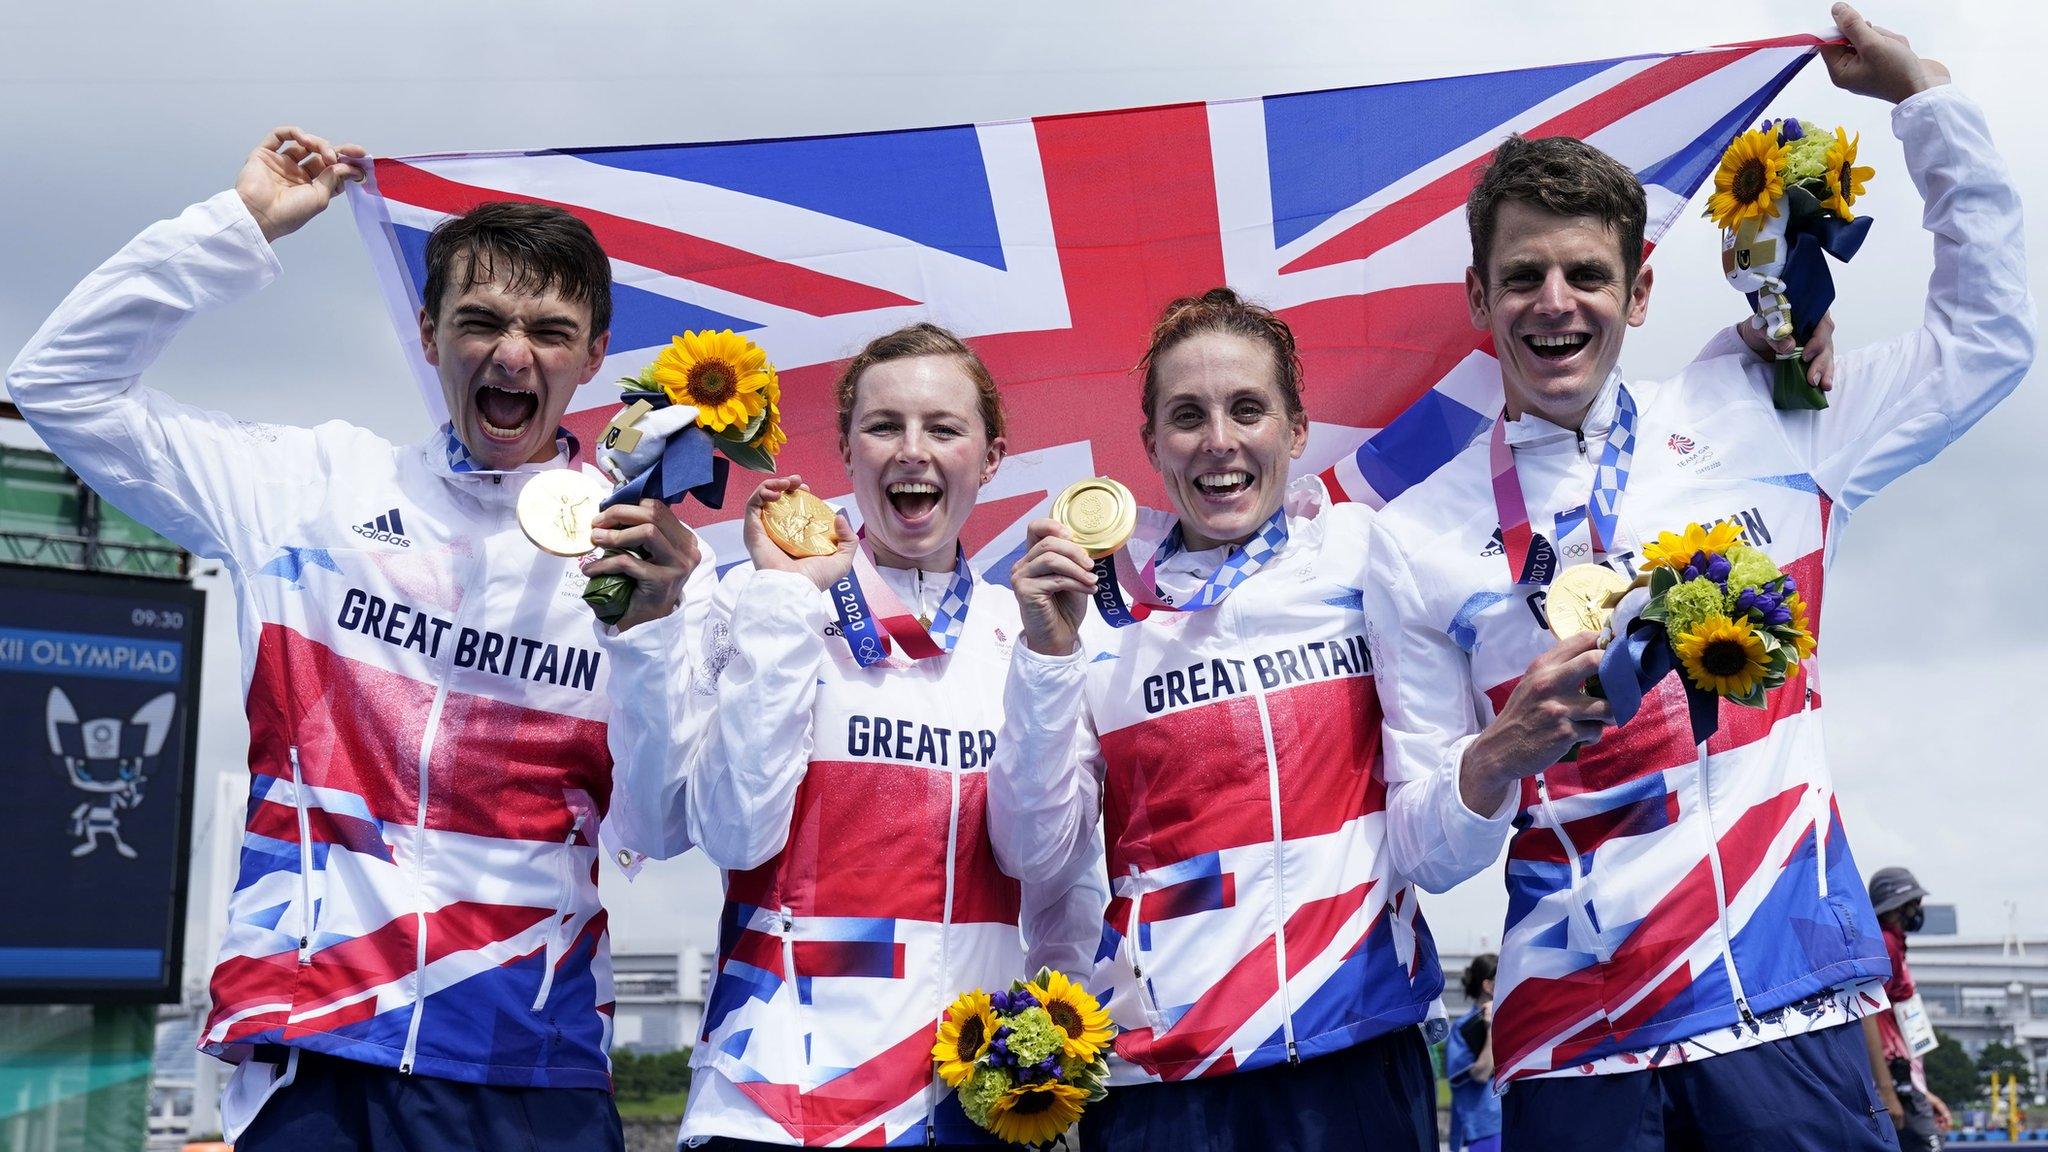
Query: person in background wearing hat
{"points": [[1903, 1034], [1468, 1064]]}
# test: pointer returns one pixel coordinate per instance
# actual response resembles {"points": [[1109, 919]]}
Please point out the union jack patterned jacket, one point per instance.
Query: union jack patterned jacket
{"points": [[1658, 892], [847, 806], [426, 698], [1232, 756]]}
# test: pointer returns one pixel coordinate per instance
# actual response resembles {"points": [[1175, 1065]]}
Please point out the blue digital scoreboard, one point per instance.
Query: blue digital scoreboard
{"points": [[99, 684]]}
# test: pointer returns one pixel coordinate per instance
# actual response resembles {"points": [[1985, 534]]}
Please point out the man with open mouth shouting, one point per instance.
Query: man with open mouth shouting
{"points": [[415, 953], [1688, 945]]}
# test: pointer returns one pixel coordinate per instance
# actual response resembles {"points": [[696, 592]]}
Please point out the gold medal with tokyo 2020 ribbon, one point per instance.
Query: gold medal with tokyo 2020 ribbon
{"points": [[556, 508], [1099, 514]]}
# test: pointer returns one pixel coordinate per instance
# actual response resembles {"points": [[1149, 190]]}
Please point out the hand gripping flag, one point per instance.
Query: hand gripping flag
{"points": [[1052, 244]]}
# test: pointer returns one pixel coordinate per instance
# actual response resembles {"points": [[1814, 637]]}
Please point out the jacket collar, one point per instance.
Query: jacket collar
{"points": [[1534, 432], [447, 457]]}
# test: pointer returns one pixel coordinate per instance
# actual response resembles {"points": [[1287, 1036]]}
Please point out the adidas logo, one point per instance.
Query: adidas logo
{"points": [[1493, 546], [385, 529]]}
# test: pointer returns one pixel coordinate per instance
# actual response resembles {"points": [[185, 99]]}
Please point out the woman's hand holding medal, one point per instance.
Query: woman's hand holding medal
{"points": [[790, 530], [1053, 581]]}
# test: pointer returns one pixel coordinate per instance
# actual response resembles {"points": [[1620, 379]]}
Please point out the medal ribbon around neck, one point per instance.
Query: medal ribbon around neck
{"points": [[459, 460], [871, 615], [1117, 571], [1531, 557]]}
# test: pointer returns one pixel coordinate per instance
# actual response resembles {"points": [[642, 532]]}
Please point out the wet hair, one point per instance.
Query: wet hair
{"points": [[544, 248], [920, 339], [1477, 973], [1563, 176], [1222, 310]]}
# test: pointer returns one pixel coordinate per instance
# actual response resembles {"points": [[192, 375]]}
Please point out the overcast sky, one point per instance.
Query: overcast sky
{"points": [[117, 114]]}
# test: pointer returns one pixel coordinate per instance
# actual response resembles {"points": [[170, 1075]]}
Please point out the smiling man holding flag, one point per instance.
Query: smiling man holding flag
{"points": [[1687, 933]]}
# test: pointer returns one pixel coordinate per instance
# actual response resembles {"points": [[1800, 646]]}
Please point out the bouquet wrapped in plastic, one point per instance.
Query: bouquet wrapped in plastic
{"points": [[1782, 198], [709, 397], [1026, 1060]]}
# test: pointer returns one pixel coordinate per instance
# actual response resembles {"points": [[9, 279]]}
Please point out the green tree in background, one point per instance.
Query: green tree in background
{"points": [[644, 1077], [1951, 1074], [2007, 1061]]}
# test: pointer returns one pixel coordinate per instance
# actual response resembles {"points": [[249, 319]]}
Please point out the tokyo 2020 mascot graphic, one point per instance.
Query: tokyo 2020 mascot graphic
{"points": [[109, 760]]}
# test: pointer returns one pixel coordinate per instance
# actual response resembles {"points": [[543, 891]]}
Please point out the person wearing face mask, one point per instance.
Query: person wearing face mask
{"points": [[840, 784], [1218, 722], [1688, 945], [1904, 1034], [416, 955]]}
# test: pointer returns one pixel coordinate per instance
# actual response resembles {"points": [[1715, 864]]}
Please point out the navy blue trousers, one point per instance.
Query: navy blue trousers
{"points": [[1379, 1095], [342, 1106], [1808, 1093]]}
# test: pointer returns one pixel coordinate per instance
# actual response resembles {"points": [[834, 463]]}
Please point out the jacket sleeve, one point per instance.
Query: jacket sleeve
{"points": [[1044, 783], [204, 480], [740, 785], [1898, 403], [1062, 915], [1426, 695], [656, 722]]}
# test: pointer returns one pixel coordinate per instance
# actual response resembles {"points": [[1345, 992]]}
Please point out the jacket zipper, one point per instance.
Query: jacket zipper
{"points": [[1279, 880], [1721, 893], [935, 1091], [305, 860], [426, 759], [1578, 909], [1131, 930], [553, 952]]}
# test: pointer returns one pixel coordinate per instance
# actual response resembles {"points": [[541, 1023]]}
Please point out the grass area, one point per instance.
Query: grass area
{"points": [[668, 1106]]}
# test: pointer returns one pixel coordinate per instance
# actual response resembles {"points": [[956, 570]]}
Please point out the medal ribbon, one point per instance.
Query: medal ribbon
{"points": [[869, 630], [459, 459], [1531, 557], [1118, 570]]}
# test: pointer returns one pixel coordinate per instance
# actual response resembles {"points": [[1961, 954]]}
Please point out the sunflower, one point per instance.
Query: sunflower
{"points": [[1750, 181], [723, 374], [1801, 629], [1845, 179], [1076, 1013], [1035, 1113], [1675, 550], [964, 1036], [1723, 656]]}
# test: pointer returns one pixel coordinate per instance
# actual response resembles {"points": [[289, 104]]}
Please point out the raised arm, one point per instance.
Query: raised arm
{"points": [[656, 721], [1044, 784], [742, 781], [201, 478], [1900, 402]]}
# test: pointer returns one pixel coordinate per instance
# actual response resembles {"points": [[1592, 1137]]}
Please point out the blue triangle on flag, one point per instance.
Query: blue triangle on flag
{"points": [[929, 184], [1326, 151]]}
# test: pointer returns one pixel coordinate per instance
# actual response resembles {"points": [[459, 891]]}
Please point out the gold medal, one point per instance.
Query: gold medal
{"points": [[800, 524], [556, 508], [1099, 514], [1582, 597]]}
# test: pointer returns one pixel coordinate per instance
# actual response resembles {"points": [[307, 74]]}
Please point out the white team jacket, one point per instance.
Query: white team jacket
{"points": [[1655, 894], [846, 806], [427, 701]]}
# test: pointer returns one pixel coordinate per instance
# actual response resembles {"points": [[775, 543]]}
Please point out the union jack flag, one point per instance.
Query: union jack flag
{"points": [[1052, 243]]}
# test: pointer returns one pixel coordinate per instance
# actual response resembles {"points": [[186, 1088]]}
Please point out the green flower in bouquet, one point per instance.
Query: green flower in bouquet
{"points": [[979, 1094], [1692, 603], [1749, 567]]}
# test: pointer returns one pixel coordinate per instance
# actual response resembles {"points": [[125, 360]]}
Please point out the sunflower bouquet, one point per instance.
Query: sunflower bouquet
{"points": [[1026, 1060], [1721, 611], [706, 392], [1782, 197]]}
